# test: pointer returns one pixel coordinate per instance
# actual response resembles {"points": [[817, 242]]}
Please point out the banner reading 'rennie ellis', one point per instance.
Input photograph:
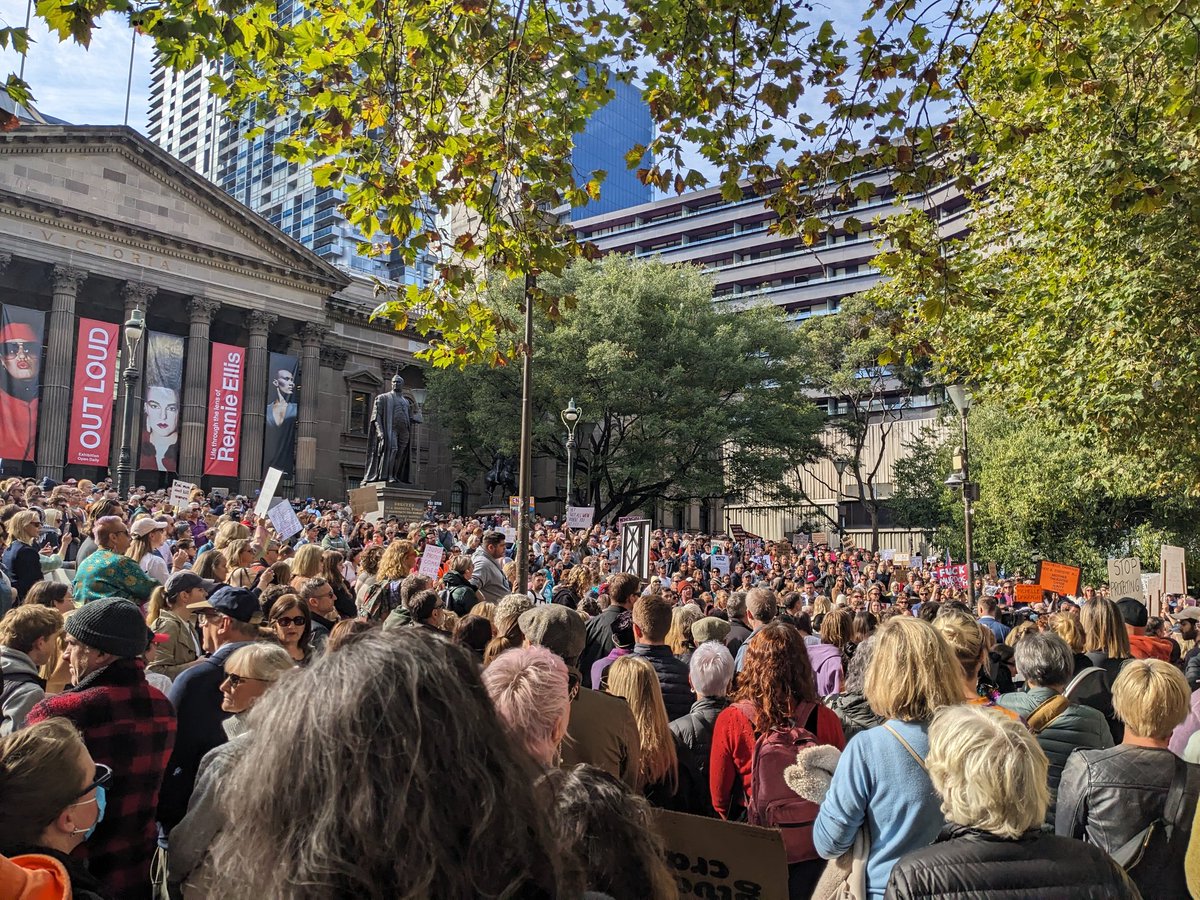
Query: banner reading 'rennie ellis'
{"points": [[159, 444], [92, 400], [224, 410], [21, 332], [279, 436]]}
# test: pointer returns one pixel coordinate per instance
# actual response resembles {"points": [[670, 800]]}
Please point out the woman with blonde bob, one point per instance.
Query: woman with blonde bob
{"points": [[881, 782], [1108, 797], [991, 775]]}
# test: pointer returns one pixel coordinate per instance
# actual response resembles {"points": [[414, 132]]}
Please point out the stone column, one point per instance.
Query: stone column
{"points": [[54, 409], [310, 388], [195, 389], [137, 295], [254, 400]]}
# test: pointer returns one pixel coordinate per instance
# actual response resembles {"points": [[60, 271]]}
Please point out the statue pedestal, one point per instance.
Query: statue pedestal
{"points": [[406, 502]]}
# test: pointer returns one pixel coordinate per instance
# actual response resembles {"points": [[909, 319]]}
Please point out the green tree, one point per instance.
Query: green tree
{"points": [[680, 401]]}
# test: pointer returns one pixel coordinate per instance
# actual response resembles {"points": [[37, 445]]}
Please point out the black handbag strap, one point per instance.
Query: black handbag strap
{"points": [[1175, 795]]}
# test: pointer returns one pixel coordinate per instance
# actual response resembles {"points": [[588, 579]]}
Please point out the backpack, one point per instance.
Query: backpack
{"points": [[772, 803], [381, 599]]}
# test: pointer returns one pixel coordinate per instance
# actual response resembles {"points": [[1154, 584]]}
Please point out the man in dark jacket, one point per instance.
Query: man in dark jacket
{"points": [[622, 590], [228, 620], [710, 672], [460, 595], [651, 622], [739, 631], [127, 725]]}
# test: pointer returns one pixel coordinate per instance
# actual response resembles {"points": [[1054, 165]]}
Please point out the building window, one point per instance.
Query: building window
{"points": [[458, 499], [360, 412]]}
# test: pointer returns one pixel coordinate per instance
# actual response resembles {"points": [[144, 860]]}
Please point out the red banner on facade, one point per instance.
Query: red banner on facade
{"points": [[224, 410], [92, 401]]}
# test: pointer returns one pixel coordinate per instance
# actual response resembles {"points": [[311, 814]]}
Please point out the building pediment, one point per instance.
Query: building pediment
{"points": [[112, 186]]}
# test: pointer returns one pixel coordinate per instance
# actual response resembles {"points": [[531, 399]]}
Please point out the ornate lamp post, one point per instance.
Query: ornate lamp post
{"points": [[961, 398], [135, 327], [570, 417], [839, 466]]}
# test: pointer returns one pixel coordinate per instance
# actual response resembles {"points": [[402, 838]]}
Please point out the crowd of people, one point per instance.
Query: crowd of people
{"points": [[194, 706]]}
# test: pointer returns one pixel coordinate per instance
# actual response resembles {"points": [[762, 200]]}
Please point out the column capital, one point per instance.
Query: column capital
{"points": [[202, 309], [68, 278], [137, 293], [311, 334], [334, 357], [5, 260], [259, 321]]}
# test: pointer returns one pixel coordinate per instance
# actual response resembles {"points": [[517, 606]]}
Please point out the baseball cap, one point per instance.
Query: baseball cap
{"points": [[143, 527], [237, 603], [187, 581]]}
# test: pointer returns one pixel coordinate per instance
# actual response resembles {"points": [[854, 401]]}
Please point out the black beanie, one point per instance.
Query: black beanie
{"points": [[111, 625]]}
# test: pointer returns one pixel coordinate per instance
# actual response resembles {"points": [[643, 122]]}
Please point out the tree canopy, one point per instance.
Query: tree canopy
{"points": [[680, 401]]}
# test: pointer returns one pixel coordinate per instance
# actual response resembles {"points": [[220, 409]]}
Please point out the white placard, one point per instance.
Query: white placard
{"points": [[375, 516], [283, 518], [269, 486], [580, 516], [887, 555], [431, 560], [720, 563], [180, 495], [510, 534], [1125, 578], [916, 562], [1173, 568]]}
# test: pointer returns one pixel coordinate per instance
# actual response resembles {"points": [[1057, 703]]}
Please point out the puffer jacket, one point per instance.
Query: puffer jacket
{"points": [[672, 678], [1077, 727], [22, 689], [694, 733], [964, 863], [1107, 796], [854, 711]]}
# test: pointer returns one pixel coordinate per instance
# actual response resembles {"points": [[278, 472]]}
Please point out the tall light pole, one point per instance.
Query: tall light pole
{"points": [[570, 418], [839, 465], [961, 398], [525, 479], [134, 329]]}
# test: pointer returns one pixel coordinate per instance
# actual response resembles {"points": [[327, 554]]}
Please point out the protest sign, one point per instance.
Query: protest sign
{"points": [[720, 563], [991, 568], [1027, 593], [267, 493], [1152, 591], [374, 516], [635, 548], [801, 539], [887, 555], [916, 562], [1125, 578], [712, 858], [510, 534], [580, 516], [431, 560], [363, 500], [990, 590], [901, 560], [1173, 569], [1059, 578], [283, 518], [180, 495]]}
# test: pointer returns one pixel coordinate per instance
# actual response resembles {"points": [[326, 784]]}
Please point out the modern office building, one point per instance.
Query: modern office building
{"points": [[618, 126], [750, 265]]}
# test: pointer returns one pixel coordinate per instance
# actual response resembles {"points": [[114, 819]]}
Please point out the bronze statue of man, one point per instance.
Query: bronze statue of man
{"points": [[389, 436]]}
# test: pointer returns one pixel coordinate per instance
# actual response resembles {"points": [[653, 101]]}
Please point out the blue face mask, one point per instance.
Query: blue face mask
{"points": [[101, 799]]}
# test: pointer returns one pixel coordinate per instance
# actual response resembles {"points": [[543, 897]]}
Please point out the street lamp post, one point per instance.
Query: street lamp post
{"points": [[570, 418], [961, 398], [525, 472], [839, 466], [135, 327]]}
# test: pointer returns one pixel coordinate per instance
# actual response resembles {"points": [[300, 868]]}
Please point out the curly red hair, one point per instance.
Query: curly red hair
{"points": [[776, 676]]}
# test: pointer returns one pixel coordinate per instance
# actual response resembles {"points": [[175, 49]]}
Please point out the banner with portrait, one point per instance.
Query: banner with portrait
{"points": [[224, 410], [162, 400], [92, 400], [21, 333], [282, 400]]}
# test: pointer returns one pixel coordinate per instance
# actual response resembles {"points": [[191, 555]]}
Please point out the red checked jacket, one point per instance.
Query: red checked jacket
{"points": [[129, 726]]}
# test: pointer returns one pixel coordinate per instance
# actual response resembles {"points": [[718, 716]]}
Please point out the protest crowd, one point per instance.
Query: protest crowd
{"points": [[196, 706]]}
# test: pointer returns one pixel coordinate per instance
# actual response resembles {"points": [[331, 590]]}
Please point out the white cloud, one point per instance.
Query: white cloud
{"points": [[84, 86]]}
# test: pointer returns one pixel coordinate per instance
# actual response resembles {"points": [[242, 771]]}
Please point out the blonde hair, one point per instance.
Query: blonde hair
{"points": [[390, 564], [913, 672], [158, 599], [1069, 629], [234, 549], [1104, 629], [634, 679], [821, 605], [1018, 632], [261, 660], [989, 771], [964, 635], [1151, 697], [307, 561], [679, 637], [19, 523], [229, 532], [484, 608]]}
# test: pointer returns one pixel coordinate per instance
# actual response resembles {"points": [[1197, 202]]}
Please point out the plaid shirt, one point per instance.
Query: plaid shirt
{"points": [[129, 726]]}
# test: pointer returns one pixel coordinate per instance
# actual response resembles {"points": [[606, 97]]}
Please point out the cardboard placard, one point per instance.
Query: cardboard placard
{"points": [[1152, 591], [720, 563], [267, 493], [363, 500], [374, 516], [992, 568], [714, 858], [1125, 578], [1027, 593], [580, 516], [1059, 578], [901, 560], [431, 560], [1173, 569], [283, 518], [180, 495]]}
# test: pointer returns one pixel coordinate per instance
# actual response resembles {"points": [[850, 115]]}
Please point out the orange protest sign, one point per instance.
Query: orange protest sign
{"points": [[1027, 593], [1059, 578]]}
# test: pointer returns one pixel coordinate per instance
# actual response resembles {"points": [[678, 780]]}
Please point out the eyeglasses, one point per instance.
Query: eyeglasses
{"points": [[103, 777], [239, 680], [285, 621], [13, 349]]}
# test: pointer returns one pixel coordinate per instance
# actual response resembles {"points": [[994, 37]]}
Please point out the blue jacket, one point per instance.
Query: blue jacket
{"points": [[196, 696], [672, 678]]}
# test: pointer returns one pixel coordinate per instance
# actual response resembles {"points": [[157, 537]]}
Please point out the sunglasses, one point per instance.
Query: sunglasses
{"points": [[13, 349], [285, 621], [102, 779], [239, 680]]}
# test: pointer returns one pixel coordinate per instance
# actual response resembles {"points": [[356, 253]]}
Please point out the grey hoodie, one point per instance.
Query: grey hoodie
{"points": [[22, 689]]}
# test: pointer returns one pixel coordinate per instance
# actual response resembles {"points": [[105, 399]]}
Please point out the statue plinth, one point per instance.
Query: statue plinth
{"points": [[406, 502]]}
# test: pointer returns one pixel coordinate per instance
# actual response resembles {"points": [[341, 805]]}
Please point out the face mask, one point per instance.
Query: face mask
{"points": [[100, 800]]}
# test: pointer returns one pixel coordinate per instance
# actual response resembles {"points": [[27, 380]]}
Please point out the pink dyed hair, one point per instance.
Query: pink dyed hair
{"points": [[528, 686]]}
